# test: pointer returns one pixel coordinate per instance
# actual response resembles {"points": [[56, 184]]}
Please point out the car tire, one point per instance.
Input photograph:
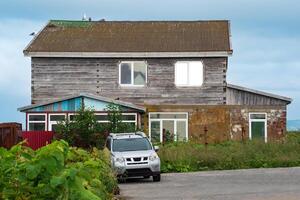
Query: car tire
{"points": [[156, 178], [121, 180]]}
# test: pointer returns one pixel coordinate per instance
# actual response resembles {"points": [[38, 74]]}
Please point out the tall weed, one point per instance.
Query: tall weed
{"points": [[191, 156]]}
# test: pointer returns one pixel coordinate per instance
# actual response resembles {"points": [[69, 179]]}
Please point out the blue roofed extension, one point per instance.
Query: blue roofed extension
{"points": [[73, 103]]}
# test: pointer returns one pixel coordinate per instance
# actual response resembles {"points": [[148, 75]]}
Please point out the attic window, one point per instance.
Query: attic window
{"points": [[188, 73], [133, 73]]}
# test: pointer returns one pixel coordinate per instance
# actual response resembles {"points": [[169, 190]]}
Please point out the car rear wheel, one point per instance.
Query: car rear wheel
{"points": [[156, 178]]}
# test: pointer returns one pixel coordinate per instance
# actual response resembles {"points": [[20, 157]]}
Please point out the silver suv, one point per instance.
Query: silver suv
{"points": [[132, 155]]}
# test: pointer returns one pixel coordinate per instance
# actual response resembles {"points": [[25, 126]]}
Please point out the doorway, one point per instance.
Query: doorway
{"points": [[258, 126]]}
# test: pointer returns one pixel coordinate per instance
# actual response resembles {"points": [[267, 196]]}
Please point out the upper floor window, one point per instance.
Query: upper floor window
{"points": [[133, 73], [189, 73]]}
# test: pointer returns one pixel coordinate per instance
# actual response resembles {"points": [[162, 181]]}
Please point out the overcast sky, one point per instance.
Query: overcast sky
{"points": [[265, 39]]}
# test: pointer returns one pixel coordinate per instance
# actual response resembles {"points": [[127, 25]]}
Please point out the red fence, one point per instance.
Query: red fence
{"points": [[37, 139]]}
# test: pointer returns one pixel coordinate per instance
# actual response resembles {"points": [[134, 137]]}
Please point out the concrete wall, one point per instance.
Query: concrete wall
{"points": [[224, 122]]}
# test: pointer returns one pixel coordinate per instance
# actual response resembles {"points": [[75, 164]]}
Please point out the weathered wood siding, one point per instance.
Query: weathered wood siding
{"points": [[240, 97], [54, 78]]}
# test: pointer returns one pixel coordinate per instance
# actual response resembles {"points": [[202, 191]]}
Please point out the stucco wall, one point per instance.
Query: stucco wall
{"points": [[224, 122]]}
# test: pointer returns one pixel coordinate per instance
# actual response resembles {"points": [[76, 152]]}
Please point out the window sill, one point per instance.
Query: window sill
{"points": [[132, 86], [189, 86]]}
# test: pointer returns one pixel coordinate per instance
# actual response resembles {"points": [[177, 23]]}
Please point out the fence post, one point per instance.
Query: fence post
{"points": [[205, 137], [243, 135]]}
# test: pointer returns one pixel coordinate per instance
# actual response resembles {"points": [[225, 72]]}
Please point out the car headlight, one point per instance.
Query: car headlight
{"points": [[120, 159], [153, 157]]}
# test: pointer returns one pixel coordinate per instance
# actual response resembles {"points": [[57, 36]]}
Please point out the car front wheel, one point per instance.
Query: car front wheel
{"points": [[156, 178]]}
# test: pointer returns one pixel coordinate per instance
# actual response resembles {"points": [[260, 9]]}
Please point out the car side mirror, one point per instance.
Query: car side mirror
{"points": [[156, 148]]}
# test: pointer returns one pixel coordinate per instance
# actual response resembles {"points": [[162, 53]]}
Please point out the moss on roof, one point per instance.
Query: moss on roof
{"points": [[68, 23]]}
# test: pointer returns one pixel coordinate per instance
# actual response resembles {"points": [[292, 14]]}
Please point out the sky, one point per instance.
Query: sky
{"points": [[265, 39]]}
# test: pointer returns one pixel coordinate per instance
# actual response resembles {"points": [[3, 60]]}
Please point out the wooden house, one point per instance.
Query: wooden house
{"points": [[168, 76]]}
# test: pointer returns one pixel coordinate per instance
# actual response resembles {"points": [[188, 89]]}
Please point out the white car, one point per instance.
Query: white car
{"points": [[132, 155]]}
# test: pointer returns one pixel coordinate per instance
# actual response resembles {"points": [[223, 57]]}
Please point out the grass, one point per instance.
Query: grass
{"points": [[192, 156]]}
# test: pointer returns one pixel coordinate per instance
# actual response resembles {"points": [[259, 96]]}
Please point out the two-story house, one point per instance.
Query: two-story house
{"points": [[167, 76]]}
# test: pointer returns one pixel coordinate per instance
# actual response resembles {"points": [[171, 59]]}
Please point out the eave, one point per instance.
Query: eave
{"points": [[129, 54]]}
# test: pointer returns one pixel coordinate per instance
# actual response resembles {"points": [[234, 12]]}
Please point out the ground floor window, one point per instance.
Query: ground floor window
{"points": [[165, 127], [44, 121], [54, 119], [258, 126], [130, 118], [36, 122]]}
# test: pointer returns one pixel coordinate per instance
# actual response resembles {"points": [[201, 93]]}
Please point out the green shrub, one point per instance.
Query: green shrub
{"points": [[116, 124], [55, 171], [84, 130], [190, 156]]}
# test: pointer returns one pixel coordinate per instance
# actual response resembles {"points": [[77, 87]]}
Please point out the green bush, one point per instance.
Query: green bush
{"points": [[84, 130], [190, 156], [55, 171]]}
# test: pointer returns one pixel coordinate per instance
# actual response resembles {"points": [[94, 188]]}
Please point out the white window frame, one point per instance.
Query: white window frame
{"points": [[132, 74], [106, 121], [50, 123], [169, 119], [125, 121], [188, 78], [69, 116], [28, 120], [258, 120]]}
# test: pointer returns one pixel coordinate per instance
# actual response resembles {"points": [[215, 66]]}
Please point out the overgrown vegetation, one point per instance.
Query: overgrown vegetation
{"points": [[82, 131], [86, 132], [59, 171], [191, 156], [55, 171], [116, 124]]}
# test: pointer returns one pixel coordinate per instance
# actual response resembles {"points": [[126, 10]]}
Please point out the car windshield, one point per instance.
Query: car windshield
{"points": [[131, 144]]}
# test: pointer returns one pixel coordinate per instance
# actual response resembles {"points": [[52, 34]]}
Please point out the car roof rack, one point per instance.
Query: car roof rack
{"points": [[139, 133]]}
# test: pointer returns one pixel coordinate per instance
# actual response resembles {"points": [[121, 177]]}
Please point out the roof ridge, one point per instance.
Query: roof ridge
{"points": [[138, 21]]}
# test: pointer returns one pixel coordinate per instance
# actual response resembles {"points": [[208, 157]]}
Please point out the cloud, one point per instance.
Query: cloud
{"points": [[14, 67], [268, 63], [265, 38], [243, 12]]}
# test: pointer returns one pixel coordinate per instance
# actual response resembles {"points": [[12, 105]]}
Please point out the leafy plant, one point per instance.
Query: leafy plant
{"points": [[84, 130], [55, 171], [116, 124]]}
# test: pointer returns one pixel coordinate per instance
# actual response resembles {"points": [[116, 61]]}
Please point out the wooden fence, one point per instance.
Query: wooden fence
{"points": [[37, 139], [10, 134]]}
